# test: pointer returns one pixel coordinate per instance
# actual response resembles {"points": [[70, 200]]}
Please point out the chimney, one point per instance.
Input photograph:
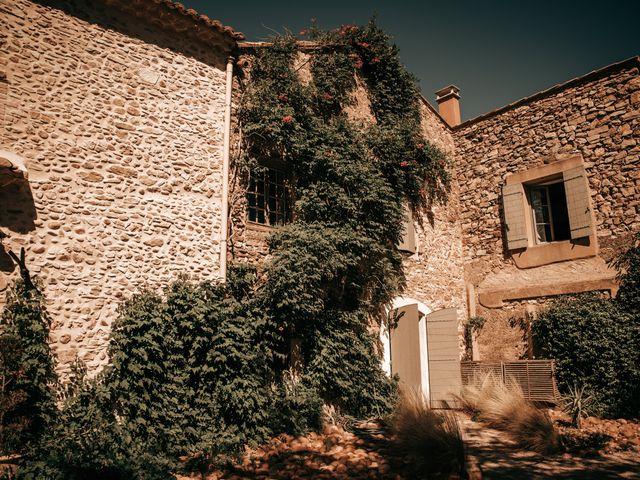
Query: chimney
{"points": [[448, 99]]}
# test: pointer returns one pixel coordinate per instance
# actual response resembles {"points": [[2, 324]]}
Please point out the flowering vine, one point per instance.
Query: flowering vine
{"points": [[333, 268]]}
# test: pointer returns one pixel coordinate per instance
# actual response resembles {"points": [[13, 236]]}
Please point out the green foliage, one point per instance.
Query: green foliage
{"points": [[191, 369], [27, 370], [628, 265], [597, 344], [472, 327], [188, 378], [87, 441], [298, 407], [334, 267], [344, 367]]}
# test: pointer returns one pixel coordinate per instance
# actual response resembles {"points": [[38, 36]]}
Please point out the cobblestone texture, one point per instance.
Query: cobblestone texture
{"points": [[121, 126]]}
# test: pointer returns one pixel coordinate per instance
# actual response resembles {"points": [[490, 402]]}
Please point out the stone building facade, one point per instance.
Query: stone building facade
{"points": [[112, 141], [592, 124], [118, 115]]}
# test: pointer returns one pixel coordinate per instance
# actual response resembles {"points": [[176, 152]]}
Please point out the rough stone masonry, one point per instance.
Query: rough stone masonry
{"points": [[121, 124], [117, 109]]}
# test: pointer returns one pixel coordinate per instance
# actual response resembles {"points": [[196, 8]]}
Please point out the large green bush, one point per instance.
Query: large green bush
{"points": [[188, 377], [27, 370], [628, 265], [191, 371], [88, 441], [595, 343]]}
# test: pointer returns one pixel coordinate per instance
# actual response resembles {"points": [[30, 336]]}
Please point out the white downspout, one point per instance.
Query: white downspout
{"points": [[225, 171]]}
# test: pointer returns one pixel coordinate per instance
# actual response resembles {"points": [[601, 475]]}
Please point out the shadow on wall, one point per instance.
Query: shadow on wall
{"points": [[17, 214], [112, 19]]}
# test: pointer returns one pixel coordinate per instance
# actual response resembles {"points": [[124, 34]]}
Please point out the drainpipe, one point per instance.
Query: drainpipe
{"points": [[225, 171]]}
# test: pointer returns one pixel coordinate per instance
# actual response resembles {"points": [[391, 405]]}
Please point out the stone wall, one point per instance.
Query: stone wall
{"points": [[596, 117], [121, 124], [435, 273]]}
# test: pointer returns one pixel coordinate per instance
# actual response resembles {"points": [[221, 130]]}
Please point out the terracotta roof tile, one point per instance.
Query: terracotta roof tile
{"points": [[175, 16], [204, 19]]}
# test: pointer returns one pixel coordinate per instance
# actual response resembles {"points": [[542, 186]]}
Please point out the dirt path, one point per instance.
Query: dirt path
{"points": [[500, 458], [366, 454], [333, 454]]}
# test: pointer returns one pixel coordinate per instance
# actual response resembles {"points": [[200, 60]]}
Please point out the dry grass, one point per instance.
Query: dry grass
{"points": [[431, 440], [503, 406]]}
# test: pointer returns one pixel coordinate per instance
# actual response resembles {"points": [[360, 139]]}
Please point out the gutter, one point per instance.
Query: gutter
{"points": [[224, 214]]}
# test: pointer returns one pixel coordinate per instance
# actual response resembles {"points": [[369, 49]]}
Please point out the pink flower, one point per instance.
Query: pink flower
{"points": [[283, 98], [375, 60], [287, 119], [420, 146], [358, 63], [344, 29], [363, 44], [404, 163], [327, 96]]}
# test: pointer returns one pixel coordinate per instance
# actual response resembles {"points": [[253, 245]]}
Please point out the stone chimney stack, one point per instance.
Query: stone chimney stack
{"points": [[448, 99]]}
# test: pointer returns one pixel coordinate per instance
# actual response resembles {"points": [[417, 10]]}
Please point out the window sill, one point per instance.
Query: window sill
{"points": [[553, 252]]}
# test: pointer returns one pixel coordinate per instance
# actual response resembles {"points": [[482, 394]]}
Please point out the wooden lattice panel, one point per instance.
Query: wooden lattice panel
{"points": [[535, 377]]}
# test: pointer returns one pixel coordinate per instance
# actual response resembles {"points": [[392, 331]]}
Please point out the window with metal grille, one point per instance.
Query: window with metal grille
{"points": [[268, 198]]}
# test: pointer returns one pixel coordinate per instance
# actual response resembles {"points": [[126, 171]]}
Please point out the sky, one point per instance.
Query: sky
{"points": [[496, 52]]}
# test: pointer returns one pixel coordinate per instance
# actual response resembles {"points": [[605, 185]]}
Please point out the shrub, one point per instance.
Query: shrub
{"points": [[188, 379], [27, 369], [431, 440], [297, 408], [343, 366], [503, 406], [594, 343], [628, 265], [190, 371], [87, 441]]}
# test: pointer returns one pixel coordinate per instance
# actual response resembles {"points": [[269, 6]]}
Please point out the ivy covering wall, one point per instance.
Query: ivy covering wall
{"points": [[201, 370], [335, 266]]}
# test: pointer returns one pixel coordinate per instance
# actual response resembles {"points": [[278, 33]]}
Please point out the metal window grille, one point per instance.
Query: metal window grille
{"points": [[268, 198]]}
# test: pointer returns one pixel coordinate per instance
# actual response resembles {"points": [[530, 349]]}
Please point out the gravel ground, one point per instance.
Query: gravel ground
{"points": [[366, 453]]}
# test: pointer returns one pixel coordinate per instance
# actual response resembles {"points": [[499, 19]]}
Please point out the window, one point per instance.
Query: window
{"points": [[547, 214], [268, 198]]}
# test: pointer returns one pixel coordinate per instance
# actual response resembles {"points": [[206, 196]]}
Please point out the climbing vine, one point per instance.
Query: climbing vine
{"points": [[337, 263]]}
